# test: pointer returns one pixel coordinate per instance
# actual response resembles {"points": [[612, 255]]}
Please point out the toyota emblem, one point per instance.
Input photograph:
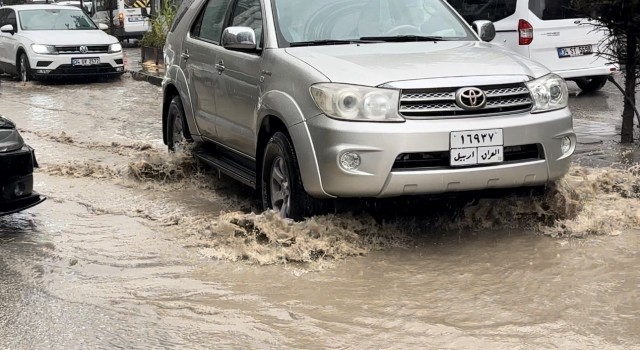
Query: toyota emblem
{"points": [[84, 49], [471, 98]]}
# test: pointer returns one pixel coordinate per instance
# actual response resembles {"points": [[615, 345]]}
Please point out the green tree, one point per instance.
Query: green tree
{"points": [[160, 24], [621, 19]]}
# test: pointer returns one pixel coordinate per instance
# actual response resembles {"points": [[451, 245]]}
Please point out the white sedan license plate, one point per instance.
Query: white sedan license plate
{"points": [[574, 51], [135, 19], [476, 147], [85, 61]]}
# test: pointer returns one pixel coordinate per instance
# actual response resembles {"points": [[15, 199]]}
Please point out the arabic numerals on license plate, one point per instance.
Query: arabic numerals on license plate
{"points": [[476, 147], [476, 138]]}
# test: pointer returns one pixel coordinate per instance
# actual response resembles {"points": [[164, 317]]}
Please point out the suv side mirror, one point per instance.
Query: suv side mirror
{"points": [[239, 38], [485, 30], [103, 26], [7, 28]]}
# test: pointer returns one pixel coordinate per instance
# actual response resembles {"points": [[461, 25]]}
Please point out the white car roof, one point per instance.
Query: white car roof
{"points": [[40, 7]]}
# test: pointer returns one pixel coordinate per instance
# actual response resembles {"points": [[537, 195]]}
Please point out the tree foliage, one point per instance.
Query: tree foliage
{"points": [[621, 20], [160, 25]]}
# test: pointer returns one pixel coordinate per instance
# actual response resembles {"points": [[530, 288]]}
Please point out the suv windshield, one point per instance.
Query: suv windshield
{"points": [[344, 21], [54, 19]]}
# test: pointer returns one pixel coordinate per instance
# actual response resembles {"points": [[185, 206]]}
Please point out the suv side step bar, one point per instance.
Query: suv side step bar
{"points": [[225, 164]]}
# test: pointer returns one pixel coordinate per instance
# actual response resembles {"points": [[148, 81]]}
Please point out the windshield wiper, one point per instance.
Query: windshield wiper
{"points": [[334, 42], [403, 38]]}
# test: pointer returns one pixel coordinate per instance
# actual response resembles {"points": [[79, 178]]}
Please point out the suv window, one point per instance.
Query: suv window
{"points": [[491, 10], [552, 9], [11, 19], [210, 21], [3, 16], [182, 10], [248, 13]]}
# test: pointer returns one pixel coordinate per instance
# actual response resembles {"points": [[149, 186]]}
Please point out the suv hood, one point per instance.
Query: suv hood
{"points": [[377, 64], [69, 37], [6, 123]]}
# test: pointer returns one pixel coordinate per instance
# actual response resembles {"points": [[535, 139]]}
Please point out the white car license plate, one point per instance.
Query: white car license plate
{"points": [[476, 147], [85, 61], [574, 51], [135, 19]]}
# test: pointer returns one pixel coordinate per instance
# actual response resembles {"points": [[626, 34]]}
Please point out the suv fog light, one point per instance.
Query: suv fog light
{"points": [[18, 190], [565, 146], [119, 69], [350, 160]]}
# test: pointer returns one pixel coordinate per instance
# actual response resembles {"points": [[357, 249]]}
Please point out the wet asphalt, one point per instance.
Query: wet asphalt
{"points": [[116, 259]]}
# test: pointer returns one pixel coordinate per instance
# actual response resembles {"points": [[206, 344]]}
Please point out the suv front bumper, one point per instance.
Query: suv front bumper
{"points": [[111, 64], [380, 144], [16, 181]]}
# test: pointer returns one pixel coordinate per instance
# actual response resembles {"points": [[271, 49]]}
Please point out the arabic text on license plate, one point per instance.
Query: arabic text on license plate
{"points": [[85, 61], [476, 147], [575, 51]]}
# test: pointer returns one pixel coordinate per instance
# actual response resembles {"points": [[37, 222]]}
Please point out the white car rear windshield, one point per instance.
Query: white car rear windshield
{"points": [[55, 19], [489, 10], [548, 10]]}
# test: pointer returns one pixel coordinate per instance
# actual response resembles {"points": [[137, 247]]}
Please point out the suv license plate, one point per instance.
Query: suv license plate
{"points": [[85, 61], [574, 51], [476, 147]]}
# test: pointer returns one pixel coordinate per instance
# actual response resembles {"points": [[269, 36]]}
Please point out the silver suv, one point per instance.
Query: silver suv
{"points": [[311, 100]]}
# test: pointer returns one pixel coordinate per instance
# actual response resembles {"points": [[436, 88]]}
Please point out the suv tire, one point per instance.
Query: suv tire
{"points": [[24, 69], [281, 183], [591, 84], [177, 132]]}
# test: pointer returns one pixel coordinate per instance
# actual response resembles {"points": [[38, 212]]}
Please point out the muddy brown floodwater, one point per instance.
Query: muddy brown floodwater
{"points": [[138, 249]]}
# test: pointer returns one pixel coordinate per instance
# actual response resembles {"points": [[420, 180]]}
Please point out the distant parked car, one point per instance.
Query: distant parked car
{"points": [[547, 31], [38, 41], [17, 161]]}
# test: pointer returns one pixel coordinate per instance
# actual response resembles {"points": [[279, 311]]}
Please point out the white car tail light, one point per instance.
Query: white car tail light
{"points": [[525, 32]]}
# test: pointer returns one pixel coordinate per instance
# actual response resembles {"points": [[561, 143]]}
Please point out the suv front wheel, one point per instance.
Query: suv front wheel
{"points": [[177, 132], [281, 183], [24, 69]]}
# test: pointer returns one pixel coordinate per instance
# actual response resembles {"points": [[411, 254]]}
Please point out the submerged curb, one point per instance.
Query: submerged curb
{"points": [[142, 76]]}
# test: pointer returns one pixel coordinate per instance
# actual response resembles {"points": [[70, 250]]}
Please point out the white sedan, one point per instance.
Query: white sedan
{"points": [[39, 41]]}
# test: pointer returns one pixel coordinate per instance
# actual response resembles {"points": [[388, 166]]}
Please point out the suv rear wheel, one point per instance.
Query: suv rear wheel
{"points": [[281, 183], [591, 84]]}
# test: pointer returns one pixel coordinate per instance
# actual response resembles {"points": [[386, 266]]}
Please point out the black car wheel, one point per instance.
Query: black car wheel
{"points": [[281, 183], [591, 84], [177, 131], [25, 68]]}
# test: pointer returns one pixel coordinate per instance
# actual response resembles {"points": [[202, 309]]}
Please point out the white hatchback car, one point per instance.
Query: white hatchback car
{"points": [[39, 41], [547, 31]]}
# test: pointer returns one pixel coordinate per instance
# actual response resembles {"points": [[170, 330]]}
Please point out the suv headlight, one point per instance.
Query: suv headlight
{"points": [[357, 103], [44, 49], [10, 140], [549, 93], [117, 47]]}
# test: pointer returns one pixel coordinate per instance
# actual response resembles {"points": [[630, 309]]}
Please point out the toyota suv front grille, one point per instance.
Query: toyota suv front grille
{"points": [[441, 102]]}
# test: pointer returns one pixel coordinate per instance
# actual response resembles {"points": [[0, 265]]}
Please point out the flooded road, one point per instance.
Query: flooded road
{"points": [[138, 249]]}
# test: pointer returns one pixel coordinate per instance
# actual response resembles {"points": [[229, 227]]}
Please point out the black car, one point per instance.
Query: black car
{"points": [[17, 161]]}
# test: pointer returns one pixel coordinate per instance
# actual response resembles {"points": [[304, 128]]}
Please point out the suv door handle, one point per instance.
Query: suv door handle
{"points": [[220, 66], [185, 55]]}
